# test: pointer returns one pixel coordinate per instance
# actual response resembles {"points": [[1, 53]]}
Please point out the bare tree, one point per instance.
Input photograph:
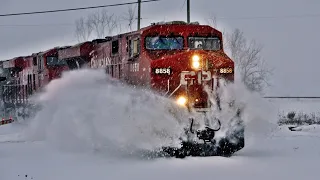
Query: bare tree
{"points": [[252, 68], [212, 21], [108, 21], [83, 29], [100, 23], [130, 17], [119, 27]]}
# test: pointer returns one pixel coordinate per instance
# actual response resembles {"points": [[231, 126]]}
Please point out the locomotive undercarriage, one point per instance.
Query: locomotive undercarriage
{"points": [[203, 141]]}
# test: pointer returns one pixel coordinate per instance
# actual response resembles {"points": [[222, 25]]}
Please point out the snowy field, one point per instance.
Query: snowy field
{"points": [[283, 155], [299, 105], [90, 130]]}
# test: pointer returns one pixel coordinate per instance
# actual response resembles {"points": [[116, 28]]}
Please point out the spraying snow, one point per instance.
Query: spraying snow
{"points": [[86, 110], [256, 113]]}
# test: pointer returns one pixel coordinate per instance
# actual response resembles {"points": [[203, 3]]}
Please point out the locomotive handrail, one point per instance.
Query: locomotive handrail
{"points": [[168, 87], [14, 85], [175, 90]]}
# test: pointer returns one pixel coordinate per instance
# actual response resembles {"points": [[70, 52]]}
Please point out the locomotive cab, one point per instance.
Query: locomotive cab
{"points": [[187, 60]]}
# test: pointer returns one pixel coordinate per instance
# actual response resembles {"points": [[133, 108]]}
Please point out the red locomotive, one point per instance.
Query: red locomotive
{"points": [[175, 59]]}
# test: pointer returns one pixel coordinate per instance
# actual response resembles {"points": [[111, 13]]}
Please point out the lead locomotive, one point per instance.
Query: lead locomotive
{"points": [[182, 61]]}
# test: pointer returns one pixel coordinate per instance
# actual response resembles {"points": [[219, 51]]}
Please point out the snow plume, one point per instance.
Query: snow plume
{"points": [[256, 113], [86, 110]]}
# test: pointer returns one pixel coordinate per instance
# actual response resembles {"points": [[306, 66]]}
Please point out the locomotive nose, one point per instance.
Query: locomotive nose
{"points": [[188, 80], [203, 70]]}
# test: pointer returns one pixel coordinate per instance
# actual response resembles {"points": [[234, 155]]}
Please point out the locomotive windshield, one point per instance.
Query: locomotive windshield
{"points": [[54, 61], [206, 43], [164, 43]]}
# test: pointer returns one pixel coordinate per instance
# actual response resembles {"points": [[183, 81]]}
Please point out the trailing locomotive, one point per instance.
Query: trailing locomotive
{"points": [[182, 61]]}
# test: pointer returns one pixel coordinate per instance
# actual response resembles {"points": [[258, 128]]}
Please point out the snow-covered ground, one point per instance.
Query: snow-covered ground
{"points": [[92, 128], [283, 155]]}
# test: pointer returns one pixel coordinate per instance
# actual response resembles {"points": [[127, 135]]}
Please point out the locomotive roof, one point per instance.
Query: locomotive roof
{"points": [[79, 44], [167, 24], [15, 58], [186, 26], [14, 62], [160, 26], [52, 49]]}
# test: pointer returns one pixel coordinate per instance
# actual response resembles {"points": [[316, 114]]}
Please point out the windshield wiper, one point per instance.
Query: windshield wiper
{"points": [[161, 40]]}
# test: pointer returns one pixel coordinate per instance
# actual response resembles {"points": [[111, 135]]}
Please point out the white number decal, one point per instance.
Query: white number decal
{"points": [[162, 71], [225, 70]]}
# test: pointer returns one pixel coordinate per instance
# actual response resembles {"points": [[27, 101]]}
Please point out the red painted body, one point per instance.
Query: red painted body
{"points": [[29, 74], [139, 70], [77, 55], [127, 58], [46, 73]]}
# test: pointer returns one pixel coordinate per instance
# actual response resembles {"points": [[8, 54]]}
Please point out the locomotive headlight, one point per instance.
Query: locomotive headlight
{"points": [[195, 62], [182, 100], [195, 58]]}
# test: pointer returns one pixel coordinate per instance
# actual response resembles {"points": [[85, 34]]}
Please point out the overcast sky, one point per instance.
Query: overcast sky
{"points": [[291, 45]]}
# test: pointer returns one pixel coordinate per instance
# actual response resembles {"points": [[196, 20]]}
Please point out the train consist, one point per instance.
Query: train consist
{"points": [[176, 59]]}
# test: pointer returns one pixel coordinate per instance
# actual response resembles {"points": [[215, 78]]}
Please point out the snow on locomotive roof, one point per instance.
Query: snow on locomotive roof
{"points": [[79, 44], [175, 23], [48, 50]]}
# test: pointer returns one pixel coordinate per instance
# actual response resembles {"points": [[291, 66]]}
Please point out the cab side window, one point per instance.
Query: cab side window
{"points": [[40, 63], [134, 47], [115, 47], [35, 61]]}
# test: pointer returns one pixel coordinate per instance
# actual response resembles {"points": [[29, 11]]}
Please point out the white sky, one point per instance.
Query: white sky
{"points": [[290, 44]]}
